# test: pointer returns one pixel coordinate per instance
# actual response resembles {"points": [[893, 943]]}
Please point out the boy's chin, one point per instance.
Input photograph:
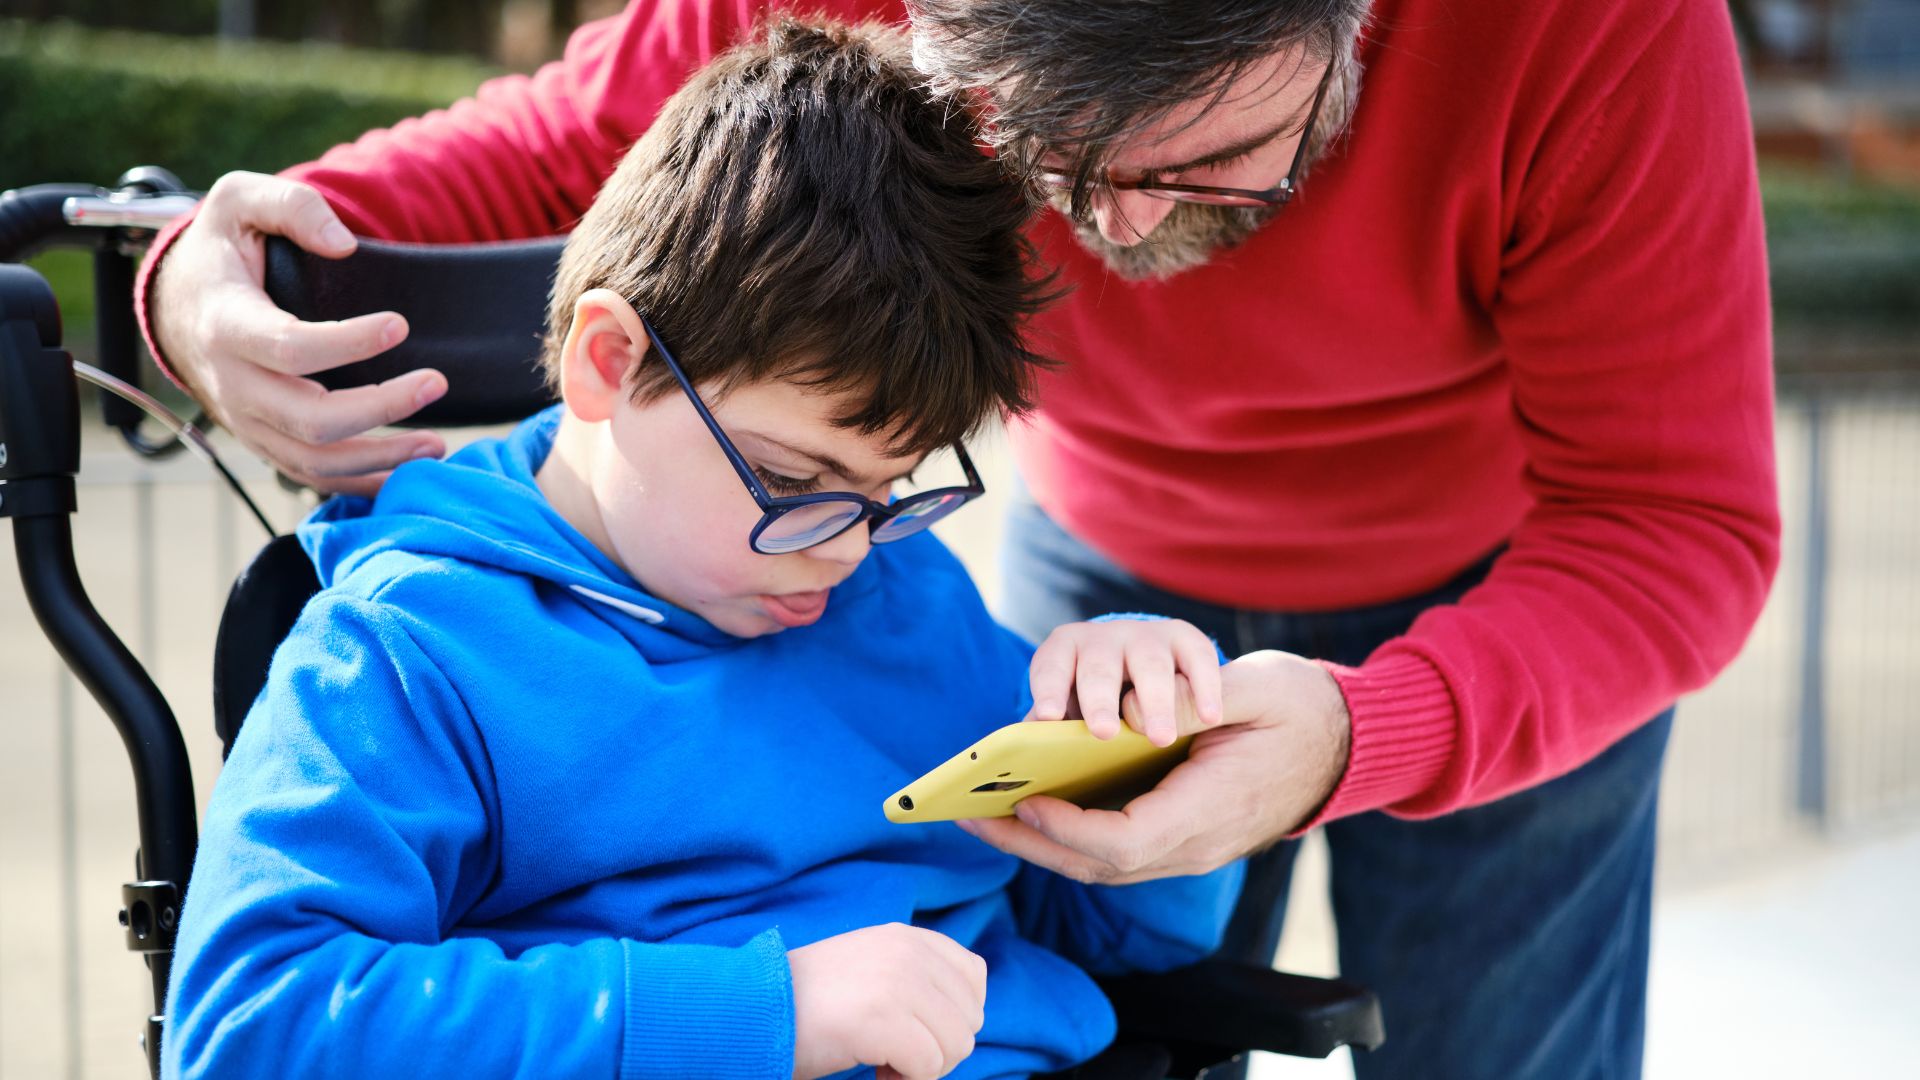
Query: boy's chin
{"points": [[762, 615]]}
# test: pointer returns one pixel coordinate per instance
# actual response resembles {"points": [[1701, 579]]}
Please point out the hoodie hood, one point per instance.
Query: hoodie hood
{"points": [[481, 506]]}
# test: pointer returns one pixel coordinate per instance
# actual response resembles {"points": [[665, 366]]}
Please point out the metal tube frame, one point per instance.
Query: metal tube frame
{"points": [[39, 458]]}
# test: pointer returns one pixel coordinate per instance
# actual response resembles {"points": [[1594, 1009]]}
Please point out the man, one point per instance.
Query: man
{"points": [[1417, 351]]}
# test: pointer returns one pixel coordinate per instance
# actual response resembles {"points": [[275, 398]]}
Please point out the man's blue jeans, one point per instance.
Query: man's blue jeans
{"points": [[1506, 940]]}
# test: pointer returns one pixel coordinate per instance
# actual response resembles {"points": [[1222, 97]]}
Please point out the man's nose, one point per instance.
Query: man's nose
{"points": [[1128, 217]]}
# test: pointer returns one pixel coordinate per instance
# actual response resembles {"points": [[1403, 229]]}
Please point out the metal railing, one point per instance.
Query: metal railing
{"points": [[1815, 727]]}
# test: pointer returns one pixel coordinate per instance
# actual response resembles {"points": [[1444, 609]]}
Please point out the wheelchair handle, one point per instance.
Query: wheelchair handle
{"points": [[139, 204], [474, 311]]}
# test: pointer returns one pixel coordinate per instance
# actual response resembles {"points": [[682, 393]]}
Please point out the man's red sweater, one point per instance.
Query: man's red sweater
{"points": [[1524, 303]]}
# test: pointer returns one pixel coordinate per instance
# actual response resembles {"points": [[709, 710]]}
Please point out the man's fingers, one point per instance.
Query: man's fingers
{"points": [[1150, 669], [281, 207], [366, 486], [307, 412], [257, 331], [1123, 841], [1023, 841], [334, 466]]}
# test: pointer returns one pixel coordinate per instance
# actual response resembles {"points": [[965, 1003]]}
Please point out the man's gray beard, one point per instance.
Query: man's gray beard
{"points": [[1192, 233], [1187, 237]]}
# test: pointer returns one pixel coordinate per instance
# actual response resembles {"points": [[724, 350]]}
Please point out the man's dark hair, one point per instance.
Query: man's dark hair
{"points": [[805, 208], [1073, 78]]}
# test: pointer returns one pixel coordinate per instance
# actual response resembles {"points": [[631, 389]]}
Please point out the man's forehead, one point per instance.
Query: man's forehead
{"points": [[1272, 96]]}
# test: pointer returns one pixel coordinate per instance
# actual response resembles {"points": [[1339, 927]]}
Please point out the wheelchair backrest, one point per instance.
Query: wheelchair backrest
{"points": [[474, 311]]}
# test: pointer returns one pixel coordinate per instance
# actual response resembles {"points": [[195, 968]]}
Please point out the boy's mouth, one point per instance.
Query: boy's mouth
{"points": [[795, 609]]}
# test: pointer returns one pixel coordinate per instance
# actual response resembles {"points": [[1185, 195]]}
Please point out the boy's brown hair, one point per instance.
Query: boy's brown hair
{"points": [[804, 208]]}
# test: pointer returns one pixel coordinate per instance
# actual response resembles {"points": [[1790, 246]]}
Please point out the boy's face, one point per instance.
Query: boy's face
{"points": [[652, 488]]}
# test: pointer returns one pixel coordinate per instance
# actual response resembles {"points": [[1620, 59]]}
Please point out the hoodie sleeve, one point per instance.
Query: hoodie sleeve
{"points": [[1109, 929], [345, 838]]}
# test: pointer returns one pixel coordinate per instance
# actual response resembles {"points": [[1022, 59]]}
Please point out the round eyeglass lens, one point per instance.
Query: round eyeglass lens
{"points": [[915, 514], [807, 525]]}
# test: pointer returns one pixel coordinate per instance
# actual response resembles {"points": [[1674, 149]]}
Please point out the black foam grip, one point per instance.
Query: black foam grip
{"points": [[474, 312], [31, 219]]}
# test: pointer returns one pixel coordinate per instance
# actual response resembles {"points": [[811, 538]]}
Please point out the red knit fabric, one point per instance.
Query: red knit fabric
{"points": [[1524, 303]]}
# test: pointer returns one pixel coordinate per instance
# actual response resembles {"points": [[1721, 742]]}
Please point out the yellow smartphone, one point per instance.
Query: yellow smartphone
{"points": [[1060, 758]]}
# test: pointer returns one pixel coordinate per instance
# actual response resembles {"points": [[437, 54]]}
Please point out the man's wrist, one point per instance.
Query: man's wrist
{"points": [[144, 300], [1401, 729]]}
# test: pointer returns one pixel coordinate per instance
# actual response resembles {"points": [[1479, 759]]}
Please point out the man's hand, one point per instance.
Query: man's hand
{"points": [[1082, 669], [898, 997], [247, 361], [1245, 784]]}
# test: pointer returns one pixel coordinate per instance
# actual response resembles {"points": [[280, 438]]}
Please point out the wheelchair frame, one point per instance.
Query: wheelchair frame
{"points": [[1175, 1023]]}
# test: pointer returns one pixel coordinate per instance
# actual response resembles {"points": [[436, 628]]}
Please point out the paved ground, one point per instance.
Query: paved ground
{"points": [[1776, 955]]}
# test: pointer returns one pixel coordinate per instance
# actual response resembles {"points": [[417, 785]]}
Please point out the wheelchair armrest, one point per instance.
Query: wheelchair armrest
{"points": [[474, 311], [1215, 1009]]}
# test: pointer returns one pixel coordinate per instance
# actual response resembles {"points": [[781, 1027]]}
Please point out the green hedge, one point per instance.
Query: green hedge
{"points": [[1843, 255], [81, 105]]}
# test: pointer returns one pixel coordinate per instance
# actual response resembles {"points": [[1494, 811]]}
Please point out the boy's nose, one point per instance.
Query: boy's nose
{"points": [[1128, 217], [847, 549]]}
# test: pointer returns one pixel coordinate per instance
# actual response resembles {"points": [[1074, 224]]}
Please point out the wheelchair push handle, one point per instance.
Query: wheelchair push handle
{"points": [[42, 216], [474, 311], [116, 224]]}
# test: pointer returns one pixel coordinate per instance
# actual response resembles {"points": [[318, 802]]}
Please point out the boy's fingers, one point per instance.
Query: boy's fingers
{"points": [[1186, 718], [1150, 669], [1051, 675], [956, 1013], [918, 1055], [943, 1019], [1201, 664], [1097, 684]]}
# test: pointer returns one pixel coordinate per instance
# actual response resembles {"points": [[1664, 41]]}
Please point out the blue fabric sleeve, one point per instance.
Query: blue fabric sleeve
{"points": [[1109, 929], [345, 839]]}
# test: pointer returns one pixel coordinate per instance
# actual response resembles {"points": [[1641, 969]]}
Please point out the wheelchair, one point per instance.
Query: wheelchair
{"points": [[475, 312]]}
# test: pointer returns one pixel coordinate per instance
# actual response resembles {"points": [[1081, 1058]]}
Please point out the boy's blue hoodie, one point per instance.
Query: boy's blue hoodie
{"points": [[500, 811]]}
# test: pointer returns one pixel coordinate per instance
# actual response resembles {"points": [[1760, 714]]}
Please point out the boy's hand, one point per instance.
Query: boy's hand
{"points": [[1083, 669], [905, 1000]]}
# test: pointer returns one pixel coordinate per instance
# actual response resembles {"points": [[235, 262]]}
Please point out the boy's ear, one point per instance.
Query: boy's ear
{"points": [[603, 350]]}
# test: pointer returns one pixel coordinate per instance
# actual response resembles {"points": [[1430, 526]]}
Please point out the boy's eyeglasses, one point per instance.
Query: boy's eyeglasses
{"points": [[1276, 196], [793, 522]]}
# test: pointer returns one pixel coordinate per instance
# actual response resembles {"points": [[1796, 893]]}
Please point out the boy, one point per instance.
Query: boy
{"points": [[574, 768]]}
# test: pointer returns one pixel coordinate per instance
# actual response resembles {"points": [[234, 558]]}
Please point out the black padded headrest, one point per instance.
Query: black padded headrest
{"points": [[474, 311], [261, 609]]}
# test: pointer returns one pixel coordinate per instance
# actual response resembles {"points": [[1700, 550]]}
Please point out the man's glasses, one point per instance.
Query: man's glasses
{"points": [[793, 522], [1276, 196]]}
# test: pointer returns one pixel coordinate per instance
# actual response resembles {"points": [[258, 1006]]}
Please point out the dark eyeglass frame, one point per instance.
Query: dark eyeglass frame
{"points": [[1276, 196], [774, 507]]}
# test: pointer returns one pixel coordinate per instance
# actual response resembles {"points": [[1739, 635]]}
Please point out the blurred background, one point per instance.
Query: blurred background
{"points": [[1785, 938]]}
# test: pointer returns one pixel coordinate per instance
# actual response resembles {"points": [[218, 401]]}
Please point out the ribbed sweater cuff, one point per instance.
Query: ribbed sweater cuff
{"points": [[705, 1010], [143, 288], [1403, 734]]}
